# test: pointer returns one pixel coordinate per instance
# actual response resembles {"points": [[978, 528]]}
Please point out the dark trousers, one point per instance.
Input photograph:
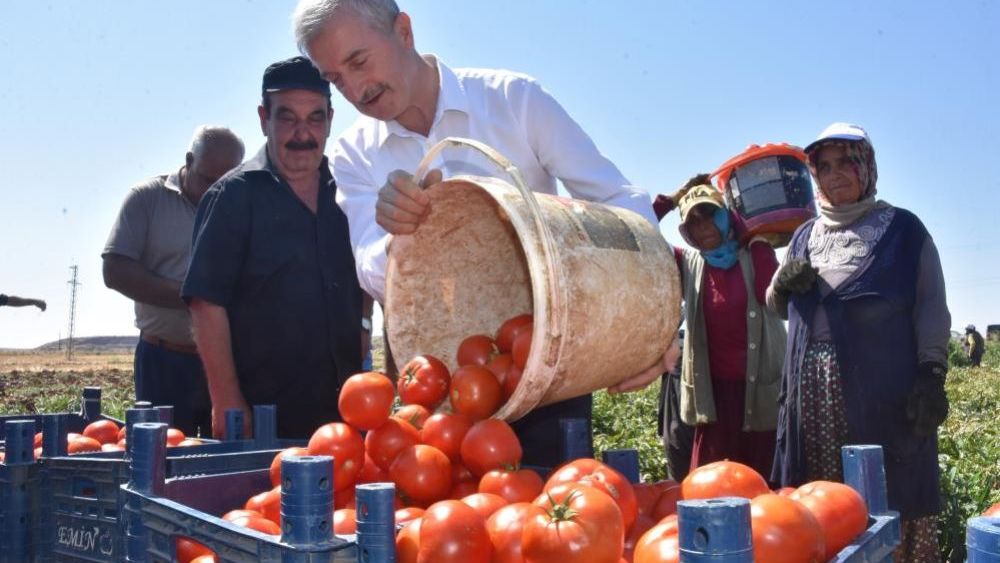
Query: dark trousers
{"points": [[541, 435], [678, 438], [165, 377]]}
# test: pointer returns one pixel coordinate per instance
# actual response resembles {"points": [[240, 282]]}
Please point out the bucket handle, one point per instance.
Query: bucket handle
{"points": [[529, 196]]}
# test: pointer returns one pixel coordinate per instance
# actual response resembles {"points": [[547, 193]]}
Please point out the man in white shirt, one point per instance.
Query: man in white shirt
{"points": [[408, 103]]}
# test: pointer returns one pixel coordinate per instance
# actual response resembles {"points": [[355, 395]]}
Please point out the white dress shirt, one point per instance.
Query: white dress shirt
{"points": [[508, 111]]}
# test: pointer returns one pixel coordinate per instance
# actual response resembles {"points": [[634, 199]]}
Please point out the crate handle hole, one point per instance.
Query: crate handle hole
{"points": [[83, 487]]}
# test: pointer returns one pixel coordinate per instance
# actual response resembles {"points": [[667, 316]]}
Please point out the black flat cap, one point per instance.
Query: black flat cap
{"points": [[296, 73]]}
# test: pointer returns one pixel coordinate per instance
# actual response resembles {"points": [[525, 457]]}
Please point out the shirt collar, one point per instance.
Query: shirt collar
{"points": [[173, 181], [261, 162], [451, 97]]}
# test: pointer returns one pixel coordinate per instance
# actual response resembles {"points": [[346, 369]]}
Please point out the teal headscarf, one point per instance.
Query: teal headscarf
{"points": [[723, 256]]}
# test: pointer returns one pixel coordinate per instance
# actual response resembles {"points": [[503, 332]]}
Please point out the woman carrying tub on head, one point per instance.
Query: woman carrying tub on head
{"points": [[733, 345]]}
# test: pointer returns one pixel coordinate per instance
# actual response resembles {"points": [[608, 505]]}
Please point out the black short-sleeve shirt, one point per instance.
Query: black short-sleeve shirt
{"points": [[287, 280]]}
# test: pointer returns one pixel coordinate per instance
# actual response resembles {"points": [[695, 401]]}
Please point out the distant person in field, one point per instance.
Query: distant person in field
{"points": [[409, 101], [146, 258], [976, 346], [868, 331], [274, 295], [15, 301]]}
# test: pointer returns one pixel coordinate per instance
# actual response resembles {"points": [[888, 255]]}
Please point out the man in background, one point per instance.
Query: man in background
{"points": [[146, 258], [274, 295], [976, 346]]}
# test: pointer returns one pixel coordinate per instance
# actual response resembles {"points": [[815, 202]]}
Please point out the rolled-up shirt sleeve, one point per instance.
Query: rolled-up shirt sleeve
{"points": [[357, 194], [931, 318], [566, 151], [221, 234]]}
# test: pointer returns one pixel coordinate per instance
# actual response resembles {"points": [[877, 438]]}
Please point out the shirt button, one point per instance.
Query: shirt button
{"points": [[753, 314], [753, 346], [752, 379]]}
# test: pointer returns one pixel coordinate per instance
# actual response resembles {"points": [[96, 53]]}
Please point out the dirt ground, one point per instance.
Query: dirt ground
{"points": [[33, 382]]}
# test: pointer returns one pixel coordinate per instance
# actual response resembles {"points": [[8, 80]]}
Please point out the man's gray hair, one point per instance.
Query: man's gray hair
{"points": [[206, 135], [310, 16]]}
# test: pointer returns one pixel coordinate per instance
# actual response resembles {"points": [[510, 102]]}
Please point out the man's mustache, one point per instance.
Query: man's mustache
{"points": [[301, 145]]}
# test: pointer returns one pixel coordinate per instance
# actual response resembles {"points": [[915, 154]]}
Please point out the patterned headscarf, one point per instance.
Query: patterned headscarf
{"points": [[862, 154]]}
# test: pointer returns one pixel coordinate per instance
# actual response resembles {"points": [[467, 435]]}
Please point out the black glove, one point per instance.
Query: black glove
{"points": [[927, 405], [795, 276]]}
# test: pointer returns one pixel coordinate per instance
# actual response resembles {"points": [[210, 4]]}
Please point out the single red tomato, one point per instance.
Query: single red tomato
{"points": [[647, 494], [659, 544], [509, 330], [462, 489], [521, 348], [784, 531], [445, 432], [641, 525], [475, 392], [408, 514], [268, 504], [476, 350], [262, 525], [490, 444], [505, 527], [188, 442], [83, 444], [993, 510], [579, 524], [453, 532], [210, 558], [408, 542], [345, 521], [385, 442], [415, 414], [371, 473], [604, 478], [39, 438], [723, 479], [365, 400], [347, 448], [500, 365], [424, 381], [186, 548], [104, 431], [511, 381], [841, 512], [422, 473], [112, 448], [174, 437], [276, 462], [121, 433], [521, 485], [485, 503]]}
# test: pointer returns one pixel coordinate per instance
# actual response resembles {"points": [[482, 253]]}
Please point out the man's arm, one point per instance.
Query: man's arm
{"points": [[568, 153], [15, 301], [131, 279], [211, 333]]}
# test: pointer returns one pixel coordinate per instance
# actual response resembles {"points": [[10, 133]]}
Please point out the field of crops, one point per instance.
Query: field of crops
{"points": [[970, 439]]}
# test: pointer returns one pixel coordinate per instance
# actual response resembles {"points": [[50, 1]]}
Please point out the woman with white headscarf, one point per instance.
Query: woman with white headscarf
{"points": [[868, 328]]}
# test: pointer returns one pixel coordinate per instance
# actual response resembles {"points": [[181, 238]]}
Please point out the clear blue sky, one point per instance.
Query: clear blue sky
{"points": [[96, 96]]}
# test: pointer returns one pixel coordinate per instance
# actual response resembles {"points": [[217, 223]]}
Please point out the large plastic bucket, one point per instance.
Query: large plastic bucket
{"points": [[601, 282]]}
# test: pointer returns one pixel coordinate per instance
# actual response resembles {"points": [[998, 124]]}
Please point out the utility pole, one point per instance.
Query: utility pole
{"points": [[73, 284]]}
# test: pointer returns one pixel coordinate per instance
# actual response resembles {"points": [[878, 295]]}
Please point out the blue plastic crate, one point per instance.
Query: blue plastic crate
{"points": [[81, 495], [719, 529], [982, 540], [157, 511], [18, 505]]}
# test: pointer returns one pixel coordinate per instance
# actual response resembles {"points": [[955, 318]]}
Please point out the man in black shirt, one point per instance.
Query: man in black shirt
{"points": [[275, 301]]}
